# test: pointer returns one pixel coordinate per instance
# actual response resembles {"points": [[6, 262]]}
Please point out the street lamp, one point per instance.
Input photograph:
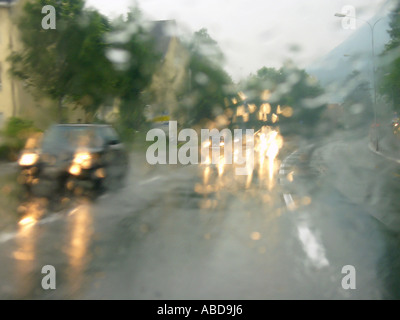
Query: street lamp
{"points": [[342, 15]]}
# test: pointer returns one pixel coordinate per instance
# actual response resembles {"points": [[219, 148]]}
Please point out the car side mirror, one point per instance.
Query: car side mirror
{"points": [[113, 142]]}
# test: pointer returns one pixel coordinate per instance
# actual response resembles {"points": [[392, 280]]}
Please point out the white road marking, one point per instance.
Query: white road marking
{"points": [[382, 154], [150, 180], [288, 200], [7, 236], [314, 250], [52, 218]]}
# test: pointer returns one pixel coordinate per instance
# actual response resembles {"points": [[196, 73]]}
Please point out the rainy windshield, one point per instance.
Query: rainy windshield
{"points": [[247, 150]]}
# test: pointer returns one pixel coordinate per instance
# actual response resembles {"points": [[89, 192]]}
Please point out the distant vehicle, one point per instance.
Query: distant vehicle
{"points": [[72, 157], [396, 124]]}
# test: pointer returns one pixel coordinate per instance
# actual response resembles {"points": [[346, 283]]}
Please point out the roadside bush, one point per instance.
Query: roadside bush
{"points": [[14, 136], [5, 152]]}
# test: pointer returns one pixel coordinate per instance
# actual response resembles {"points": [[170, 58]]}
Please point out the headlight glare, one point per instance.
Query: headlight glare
{"points": [[28, 159], [84, 159]]}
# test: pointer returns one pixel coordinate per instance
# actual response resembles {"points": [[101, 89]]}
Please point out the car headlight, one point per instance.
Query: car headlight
{"points": [[83, 159], [75, 170], [28, 159]]}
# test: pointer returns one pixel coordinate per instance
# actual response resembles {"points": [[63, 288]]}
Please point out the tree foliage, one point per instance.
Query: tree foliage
{"points": [[359, 92], [287, 86], [389, 74], [134, 69], [358, 105], [67, 63], [209, 83], [87, 60]]}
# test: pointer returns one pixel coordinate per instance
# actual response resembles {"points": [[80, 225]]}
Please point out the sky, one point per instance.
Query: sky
{"points": [[257, 33]]}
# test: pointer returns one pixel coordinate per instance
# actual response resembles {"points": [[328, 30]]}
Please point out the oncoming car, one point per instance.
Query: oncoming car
{"points": [[71, 157]]}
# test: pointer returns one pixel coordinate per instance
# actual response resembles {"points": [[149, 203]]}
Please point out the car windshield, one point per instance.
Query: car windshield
{"points": [[253, 147], [71, 137]]}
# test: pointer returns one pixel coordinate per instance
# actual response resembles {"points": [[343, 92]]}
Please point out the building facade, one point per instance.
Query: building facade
{"points": [[15, 99], [172, 75], [9, 88]]}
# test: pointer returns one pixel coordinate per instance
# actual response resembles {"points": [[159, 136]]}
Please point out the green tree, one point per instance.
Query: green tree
{"points": [[287, 86], [359, 92], [132, 50], [209, 85], [389, 74], [264, 79], [67, 63], [358, 104], [204, 45]]}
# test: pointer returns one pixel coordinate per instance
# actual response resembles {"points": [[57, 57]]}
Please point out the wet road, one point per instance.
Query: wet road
{"points": [[194, 232]]}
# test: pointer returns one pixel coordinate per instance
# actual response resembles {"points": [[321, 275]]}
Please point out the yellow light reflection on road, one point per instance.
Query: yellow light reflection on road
{"points": [[249, 167], [206, 175], [25, 252], [25, 240], [289, 176], [80, 235], [221, 165], [256, 159], [268, 144]]}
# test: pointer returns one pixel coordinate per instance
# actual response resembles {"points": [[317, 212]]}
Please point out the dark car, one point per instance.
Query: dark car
{"points": [[71, 157]]}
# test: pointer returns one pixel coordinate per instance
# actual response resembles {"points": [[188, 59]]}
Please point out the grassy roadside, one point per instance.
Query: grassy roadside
{"points": [[9, 199]]}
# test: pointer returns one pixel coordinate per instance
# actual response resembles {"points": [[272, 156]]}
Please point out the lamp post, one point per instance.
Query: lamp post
{"points": [[372, 27]]}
